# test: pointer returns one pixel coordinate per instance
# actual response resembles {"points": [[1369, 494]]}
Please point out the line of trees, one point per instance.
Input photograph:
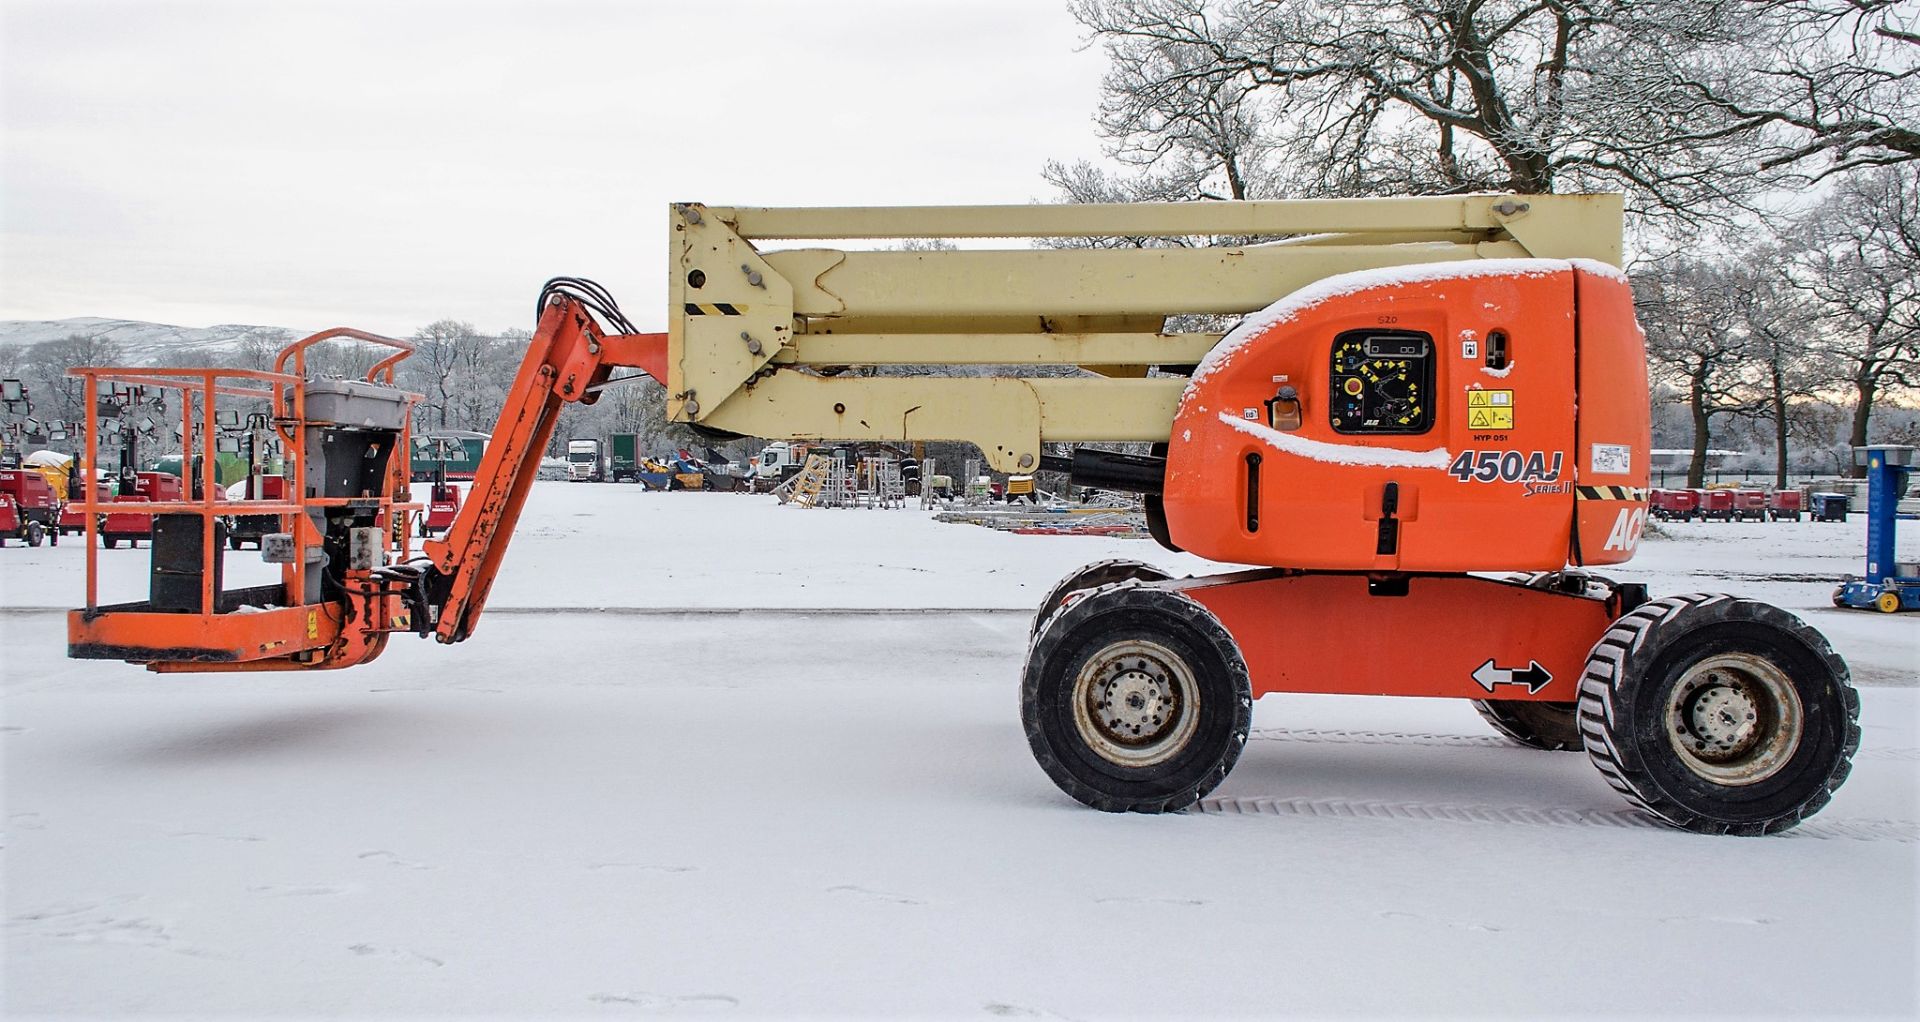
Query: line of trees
{"points": [[1769, 151], [462, 375]]}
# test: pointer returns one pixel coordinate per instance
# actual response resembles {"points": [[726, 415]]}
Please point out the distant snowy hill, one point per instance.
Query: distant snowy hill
{"points": [[143, 342]]}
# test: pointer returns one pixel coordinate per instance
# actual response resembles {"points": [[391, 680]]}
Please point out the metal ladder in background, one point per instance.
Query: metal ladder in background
{"points": [[803, 490]]}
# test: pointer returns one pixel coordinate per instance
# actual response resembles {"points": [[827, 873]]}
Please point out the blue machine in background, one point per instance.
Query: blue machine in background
{"points": [[1890, 585]]}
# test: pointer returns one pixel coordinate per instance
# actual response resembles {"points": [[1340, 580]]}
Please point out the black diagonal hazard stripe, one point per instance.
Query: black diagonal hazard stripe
{"points": [[716, 309], [1610, 493]]}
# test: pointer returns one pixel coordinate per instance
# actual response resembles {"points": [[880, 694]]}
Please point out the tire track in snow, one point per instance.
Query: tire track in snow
{"points": [[1288, 734], [1353, 737], [1901, 831]]}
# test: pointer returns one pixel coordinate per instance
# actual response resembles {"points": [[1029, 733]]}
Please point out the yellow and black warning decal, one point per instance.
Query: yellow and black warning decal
{"points": [[716, 309], [1489, 409], [1609, 493]]}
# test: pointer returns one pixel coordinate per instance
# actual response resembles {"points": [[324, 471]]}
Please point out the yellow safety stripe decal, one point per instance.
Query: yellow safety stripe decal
{"points": [[1610, 493]]}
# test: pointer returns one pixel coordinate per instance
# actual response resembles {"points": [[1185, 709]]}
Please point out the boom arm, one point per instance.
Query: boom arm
{"points": [[569, 359], [756, 340]]}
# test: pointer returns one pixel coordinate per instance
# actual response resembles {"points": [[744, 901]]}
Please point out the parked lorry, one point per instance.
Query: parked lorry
{"points": [[625, 465], [447, 454], [779, 462], [1402, 411], [586, 461]]}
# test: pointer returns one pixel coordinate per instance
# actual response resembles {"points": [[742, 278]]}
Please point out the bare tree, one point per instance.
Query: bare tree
{"points": [[440, 349], [1785, 375], [1696, 344], [1821, 86], [1862, 267], [55, 394], [257, 350], [1688, 106]]}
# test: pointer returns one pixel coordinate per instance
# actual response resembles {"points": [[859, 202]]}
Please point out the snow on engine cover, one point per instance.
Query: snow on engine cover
{"points": [[1476, 416]]}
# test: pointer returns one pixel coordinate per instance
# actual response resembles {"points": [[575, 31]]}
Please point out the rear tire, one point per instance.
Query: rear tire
{"points": [[1091, 576], [35, 533], [1136, 700], [1552, 727], [1719, 715]]}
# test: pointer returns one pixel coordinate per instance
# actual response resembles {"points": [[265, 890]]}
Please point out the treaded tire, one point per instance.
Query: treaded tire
{"points": [[1080, 642], [1091, 576], [1552, 727], [35, 533], [1633, 675]]}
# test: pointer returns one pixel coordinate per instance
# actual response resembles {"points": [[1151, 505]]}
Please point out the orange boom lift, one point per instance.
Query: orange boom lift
{"points": [[1454, 387]]}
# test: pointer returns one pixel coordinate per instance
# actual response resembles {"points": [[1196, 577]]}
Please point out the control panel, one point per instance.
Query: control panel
{"points": [[1381, 381]]}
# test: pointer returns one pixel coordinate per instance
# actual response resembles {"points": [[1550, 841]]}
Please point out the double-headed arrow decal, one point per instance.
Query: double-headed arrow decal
{"points": [[1533, 676]]}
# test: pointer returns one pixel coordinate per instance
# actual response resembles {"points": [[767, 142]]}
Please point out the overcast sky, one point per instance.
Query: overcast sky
{"points": [[386, 164]]}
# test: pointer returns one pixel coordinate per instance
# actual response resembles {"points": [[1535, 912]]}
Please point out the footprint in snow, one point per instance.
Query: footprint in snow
{"points": [[642, 867], [296, 890], [100, 923], [394, 954], [382, 855], [247, 838], [1015, 1011], [895, 899], [1475, 927], [667, 1002]]}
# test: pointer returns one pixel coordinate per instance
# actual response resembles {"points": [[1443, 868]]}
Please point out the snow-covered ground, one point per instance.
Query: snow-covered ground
{"points": [[614, 801]]}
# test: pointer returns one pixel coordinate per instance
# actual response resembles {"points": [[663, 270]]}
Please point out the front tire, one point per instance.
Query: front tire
{"points": [[1719, 715], [1136, 699], [35, 533]]}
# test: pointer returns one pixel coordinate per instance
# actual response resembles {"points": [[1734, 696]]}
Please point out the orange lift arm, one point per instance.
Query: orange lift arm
{"points": [[569, 359]]}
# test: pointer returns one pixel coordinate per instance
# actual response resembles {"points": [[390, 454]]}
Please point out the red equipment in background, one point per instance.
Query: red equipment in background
{"points": [[1750, 505], [1716, 505], [1674, 505], [1785, 504], [140, 488], [10, 526], [35, 507], [72, 519], [443, 505]]}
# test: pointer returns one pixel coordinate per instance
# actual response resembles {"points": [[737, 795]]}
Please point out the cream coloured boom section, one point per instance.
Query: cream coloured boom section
{"points": [[756, 337]]}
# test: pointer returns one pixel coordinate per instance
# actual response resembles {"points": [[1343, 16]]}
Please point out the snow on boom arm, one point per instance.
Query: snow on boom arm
{"points": [[1420, 388]]}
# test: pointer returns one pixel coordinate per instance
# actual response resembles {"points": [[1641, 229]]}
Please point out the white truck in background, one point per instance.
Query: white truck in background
{"points": [[586, 461], [779, 462]]}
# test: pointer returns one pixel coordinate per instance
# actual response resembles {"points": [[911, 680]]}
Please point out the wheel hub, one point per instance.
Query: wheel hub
{"points": [[1135, 703], [1725, 720], [1734, 719]]}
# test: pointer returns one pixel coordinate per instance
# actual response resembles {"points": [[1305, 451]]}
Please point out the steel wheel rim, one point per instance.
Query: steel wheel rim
{"points": [[1735, 719], [1136, 703]]}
